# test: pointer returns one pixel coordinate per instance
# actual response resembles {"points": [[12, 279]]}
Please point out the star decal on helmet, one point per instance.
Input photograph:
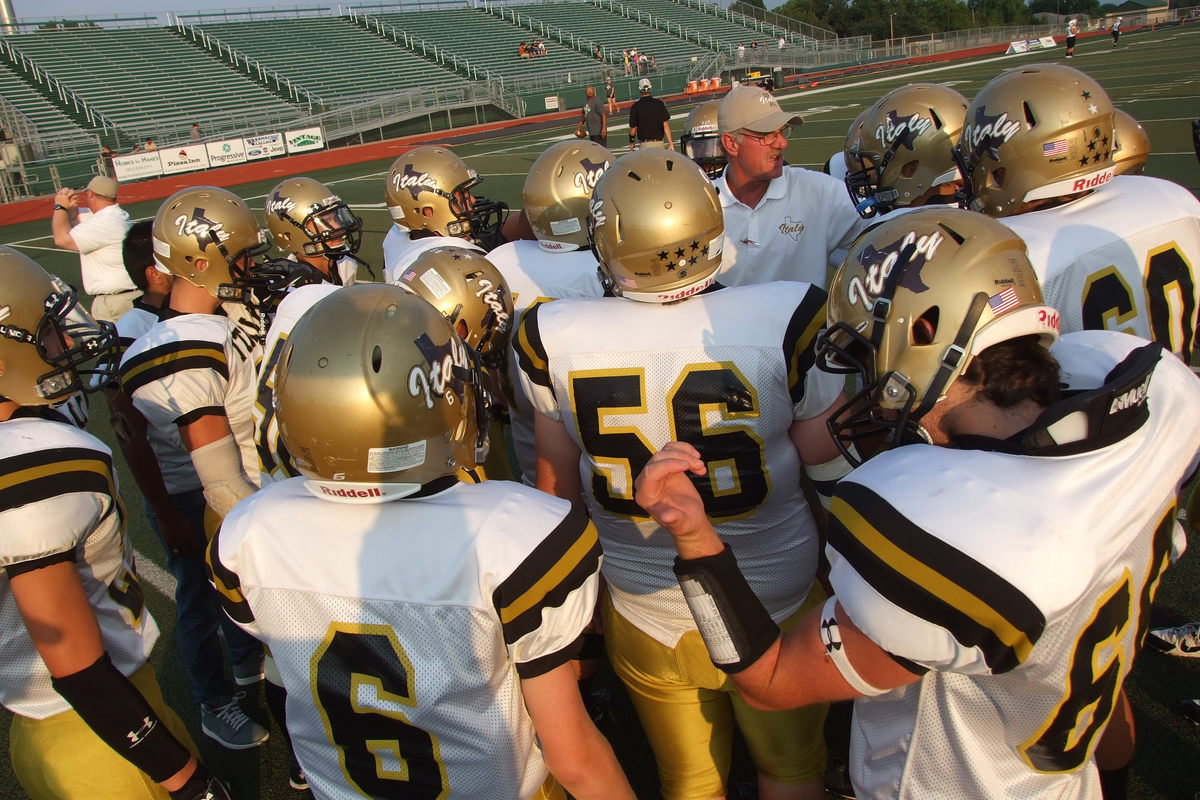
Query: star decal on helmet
{"points": [[1086, 95]]}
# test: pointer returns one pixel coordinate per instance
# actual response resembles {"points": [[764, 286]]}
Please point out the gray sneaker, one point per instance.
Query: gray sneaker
{"points": [[1182, 640], [229, 725], [249, 670]]}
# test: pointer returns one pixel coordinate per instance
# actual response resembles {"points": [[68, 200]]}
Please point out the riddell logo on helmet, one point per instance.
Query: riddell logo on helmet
{"points": [[1094, 181], [351, 492]]}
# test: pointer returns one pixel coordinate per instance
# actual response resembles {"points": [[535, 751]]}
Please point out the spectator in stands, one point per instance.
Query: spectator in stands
{"points": [[741, 50], [523, 50], [754, 45], [97, 238], [594, 118], [597, 53], [782, 42], [137, 148], [150, 146], [625, 59], [610, 96], [649, 121], [653, 64], [195, 133], [106, 153], [781, 222]]}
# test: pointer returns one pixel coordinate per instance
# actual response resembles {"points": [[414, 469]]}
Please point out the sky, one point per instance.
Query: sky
{"points": [[73, 9]]}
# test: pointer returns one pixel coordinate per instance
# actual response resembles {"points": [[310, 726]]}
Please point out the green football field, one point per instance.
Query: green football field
{"points": [[1152, 75]]}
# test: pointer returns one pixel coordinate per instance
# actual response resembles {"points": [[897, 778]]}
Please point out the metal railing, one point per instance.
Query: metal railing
{"points": [[66, 96], [588, 47], [293, 91], [428, 50], [770, 23], [658, 22]]}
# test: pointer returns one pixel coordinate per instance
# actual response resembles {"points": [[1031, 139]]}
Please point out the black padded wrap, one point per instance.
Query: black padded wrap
{"points": [[736, 627], [118, 713]]}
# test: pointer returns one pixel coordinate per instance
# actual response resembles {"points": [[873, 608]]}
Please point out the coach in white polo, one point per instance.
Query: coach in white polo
{"points": [[97, 238], [781, 223]]}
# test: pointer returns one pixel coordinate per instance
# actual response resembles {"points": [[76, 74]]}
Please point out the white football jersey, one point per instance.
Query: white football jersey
{"points": [[275, 463], [534, 276], [1007, 577], [185, 367], [1121, 258], [402, 629], [400, 249], [59, 494], [727, 371]]}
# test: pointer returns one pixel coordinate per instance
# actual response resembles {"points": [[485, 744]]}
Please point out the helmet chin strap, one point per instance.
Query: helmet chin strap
{"points": [[953, 357]]}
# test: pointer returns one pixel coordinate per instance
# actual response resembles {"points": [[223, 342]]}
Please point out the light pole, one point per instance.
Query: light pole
{"points": [[891, 26]]}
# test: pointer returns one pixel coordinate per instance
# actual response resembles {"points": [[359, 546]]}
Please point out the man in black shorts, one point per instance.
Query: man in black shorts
{"points": [[649, 121]]}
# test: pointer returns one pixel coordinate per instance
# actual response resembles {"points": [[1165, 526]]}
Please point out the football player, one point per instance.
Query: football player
{"points": [[89, 719], [560, 263], [700, 140], [975, 675], [429, 195], [422, 625], [191, 376], [615, 378], [1132, 145], [314, 225], [1114, 253], [900, 155]]}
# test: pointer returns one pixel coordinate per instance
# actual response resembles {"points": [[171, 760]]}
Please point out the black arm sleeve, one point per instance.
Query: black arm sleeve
{"points": [[118, 713]]}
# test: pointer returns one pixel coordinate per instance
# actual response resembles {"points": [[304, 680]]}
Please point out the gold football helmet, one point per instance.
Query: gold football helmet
{"points": [[470, 293], [700, 140], [209, 237], [903, 146], [914, 300], [1033, 133], [307, 219], [1132, 145], [656, 227], [851, 144], [404, 385], [47, 339], [429, 189], [557, 191]]}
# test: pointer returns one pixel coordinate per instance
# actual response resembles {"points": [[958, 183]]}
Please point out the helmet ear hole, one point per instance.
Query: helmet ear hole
{"points": [[924, 328], [1029, 118], [376, 358], [910, 169], [998, 176]]}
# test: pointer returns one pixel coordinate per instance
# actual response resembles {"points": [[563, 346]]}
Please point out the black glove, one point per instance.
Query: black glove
{"points": [[201, 786]]}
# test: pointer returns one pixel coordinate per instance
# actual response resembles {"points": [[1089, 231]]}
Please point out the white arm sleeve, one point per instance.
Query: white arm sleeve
{"points": [[219, 465]]}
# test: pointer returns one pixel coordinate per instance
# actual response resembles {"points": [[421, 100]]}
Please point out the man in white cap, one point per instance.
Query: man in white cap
{"points": [[649, 121], [781, 222], [97, 238]]}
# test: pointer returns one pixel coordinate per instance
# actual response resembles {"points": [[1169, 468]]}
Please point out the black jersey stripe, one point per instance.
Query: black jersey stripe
{"points": [[169, 359], [45, 474], [531, 353], [229, 588], [930, 579], [799, 339], [558, 566]]}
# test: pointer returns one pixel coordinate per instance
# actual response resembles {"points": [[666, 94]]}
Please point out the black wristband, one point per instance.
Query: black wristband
{"points": [[58, 207], [118, 713], [735, 625]]}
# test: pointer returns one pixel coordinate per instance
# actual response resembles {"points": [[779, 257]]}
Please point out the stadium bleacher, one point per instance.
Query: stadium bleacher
{"points": [[48, 117], [613, 31]]}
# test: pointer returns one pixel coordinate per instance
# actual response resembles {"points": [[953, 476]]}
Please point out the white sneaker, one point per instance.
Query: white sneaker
{"points": [[1182, 640], [229, 725]]}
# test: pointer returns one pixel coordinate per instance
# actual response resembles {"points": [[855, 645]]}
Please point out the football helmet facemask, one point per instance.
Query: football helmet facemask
{"points": [[901, 147], [557, 190], [48, 341], [914, 300], [429, 189], [656, 227], [405, 385], [1034, 133], [307, 219], [469, 292], [1132, 145], [700, 140], [213, 225]]}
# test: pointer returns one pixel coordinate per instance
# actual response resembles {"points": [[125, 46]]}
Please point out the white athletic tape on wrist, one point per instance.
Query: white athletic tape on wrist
{"points": [[219, 467], [826, 475], [831, 637]]}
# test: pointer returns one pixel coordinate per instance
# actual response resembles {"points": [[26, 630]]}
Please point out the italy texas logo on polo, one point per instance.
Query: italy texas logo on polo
{"points": [[414, 182], [880, 263], [792, 228]]}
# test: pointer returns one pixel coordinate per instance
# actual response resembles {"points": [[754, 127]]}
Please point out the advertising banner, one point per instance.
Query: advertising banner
{"points": [[265, 146], [183, 159], [137, 165], [304, 139], [230, 151]]}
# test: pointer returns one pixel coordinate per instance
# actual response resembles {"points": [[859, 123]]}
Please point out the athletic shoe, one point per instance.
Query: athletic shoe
{"points": [[229, 725], [1191, 710], [1182, 640], [249, 670], [296, 778]]}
